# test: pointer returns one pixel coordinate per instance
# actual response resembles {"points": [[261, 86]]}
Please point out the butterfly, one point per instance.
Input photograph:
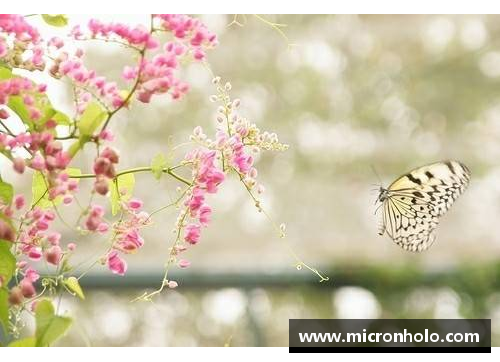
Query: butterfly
{"points": [[413, 204]]}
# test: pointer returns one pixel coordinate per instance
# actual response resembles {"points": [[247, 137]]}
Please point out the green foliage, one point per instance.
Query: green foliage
{"points": [[39, 189], [7, 261], [25, 342], [16, 104], [73, 285], [91, 119], [5, 72], [49, 327], [122, 188], [57, 20], [6, 192], [158, 163], [4, 309], [7, 268], [42, 103]]}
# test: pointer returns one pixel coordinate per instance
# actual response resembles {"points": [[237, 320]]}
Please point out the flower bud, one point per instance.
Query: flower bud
{"points": [[101, 186], [53, 255], [110, 154], [183, 263], [101, 165], [172, 284], [4, 114], [19, 164], [16, 296], [27, 288], [6, 232]]}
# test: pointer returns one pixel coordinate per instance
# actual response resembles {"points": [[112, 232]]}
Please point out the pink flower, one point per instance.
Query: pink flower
{"points": [[56, 42], [103, 166], [129, 73], [131, 240], [183, 263], [94, 221], [54, 238], [101, 185], [116, 264], [172, 284], [135, 204], [106, 135], [71, 246], [196, 200], [103, 227], [31, 274], [53, 255], [19, 201], [110, 154], [27, 288], [38, 163], [192, 233], [205, 212], [35, 253]]}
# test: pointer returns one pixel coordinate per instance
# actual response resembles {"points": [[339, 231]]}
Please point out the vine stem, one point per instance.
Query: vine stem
{"points": [[142, 54], [168, 170]]}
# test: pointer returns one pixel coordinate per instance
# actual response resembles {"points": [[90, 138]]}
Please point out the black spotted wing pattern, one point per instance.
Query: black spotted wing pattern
{"points": [[415, 202]]}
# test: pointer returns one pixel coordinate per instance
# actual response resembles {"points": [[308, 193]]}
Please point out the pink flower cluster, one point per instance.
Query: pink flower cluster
{"points": [[157, 76], [15, 27], [207, 178], [48, 157], [192, 31], [104, 169], [17, 86], [86, 80], [138, 36], [241, 161], [25, 289], [36, 242], [95, 221], [127, 238]]}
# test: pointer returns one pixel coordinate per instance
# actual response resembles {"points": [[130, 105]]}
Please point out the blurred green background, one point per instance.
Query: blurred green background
{"points": [[353, 94]]}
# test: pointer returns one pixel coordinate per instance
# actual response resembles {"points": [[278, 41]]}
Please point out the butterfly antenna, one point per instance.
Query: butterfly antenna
{"points": [[376, 174]]}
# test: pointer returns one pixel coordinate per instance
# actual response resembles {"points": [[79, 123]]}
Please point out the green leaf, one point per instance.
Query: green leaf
{"points": [[57, 20], [61, 119], [122, 188], [91, 118], [25, 342], [7, 261], [73, 285], [5, 72], [158, 163], [39, 189], [17, 105], [6, 192], [4, 310], [49, 327], [78, 145], [42, 103]]}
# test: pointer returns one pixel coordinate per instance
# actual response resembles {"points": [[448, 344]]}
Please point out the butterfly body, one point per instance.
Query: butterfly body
{"points": [[413, 203]]}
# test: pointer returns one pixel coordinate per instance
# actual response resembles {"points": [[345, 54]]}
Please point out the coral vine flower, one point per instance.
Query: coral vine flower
{"points": [[116, 264], [192, 234]]}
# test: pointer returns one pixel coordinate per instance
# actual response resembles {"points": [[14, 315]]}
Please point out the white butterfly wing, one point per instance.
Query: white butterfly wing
{"points": [[415, 202]]}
